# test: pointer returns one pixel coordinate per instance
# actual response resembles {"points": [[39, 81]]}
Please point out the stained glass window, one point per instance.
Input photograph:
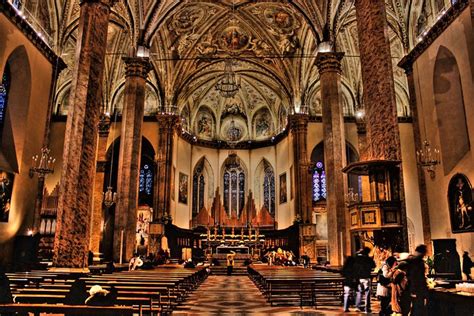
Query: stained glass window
{"points": [[199, 185], [234, 191], [145, 184], [4, 86], [269, 190], [319, 182]]}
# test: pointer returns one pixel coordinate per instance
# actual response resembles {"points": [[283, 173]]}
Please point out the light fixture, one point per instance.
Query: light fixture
{"points": [[42, 164], [229, 84], [110, 197], [325, 47], [428, 157]]}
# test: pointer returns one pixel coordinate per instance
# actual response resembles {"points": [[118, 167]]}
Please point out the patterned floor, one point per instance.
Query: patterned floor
{"points": [[237, 295]]}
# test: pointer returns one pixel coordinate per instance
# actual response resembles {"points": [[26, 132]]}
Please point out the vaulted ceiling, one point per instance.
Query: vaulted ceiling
{"points": [[272, 46]]}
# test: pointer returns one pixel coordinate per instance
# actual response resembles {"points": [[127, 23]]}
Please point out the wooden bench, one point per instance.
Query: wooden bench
{"points": [[67, 309]]}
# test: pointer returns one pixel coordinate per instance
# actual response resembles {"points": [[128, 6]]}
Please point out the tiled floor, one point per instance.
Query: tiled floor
{"points": [[237, 295]]}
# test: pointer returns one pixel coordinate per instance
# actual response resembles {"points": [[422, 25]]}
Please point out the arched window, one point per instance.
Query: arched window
{"points": [[269, 190], [199, 185], [146, 179], [450, 110], [234, 186], [319, 182], [319, 172], [147, 174], [4, 86]]}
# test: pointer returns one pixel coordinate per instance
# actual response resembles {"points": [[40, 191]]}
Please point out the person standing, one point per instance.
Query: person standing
{"points": [[467, 265], [230, 263], [384, 285], [417, 281], [350, 281], [400, 296], [363, 266]]}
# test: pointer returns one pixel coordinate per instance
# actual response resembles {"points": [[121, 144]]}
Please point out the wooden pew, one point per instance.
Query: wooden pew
{"points": [[67, 309]]}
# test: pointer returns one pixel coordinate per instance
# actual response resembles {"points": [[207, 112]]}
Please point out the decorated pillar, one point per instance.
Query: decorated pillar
{"points": [[303, 184], [383, 136], [382, 161], [136, 72], [164, 164], [98, 211], [71, 244], [329, 66]]}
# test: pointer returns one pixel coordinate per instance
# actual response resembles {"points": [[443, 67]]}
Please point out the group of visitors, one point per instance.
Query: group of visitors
{"points": [[402, 288], [149, 261], [280, 257]]}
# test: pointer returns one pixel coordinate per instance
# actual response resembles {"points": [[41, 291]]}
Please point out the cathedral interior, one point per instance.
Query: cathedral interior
{"points": [[198, 127]]}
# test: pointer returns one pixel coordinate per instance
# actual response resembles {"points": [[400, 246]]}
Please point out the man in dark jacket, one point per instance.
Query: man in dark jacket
{"points": [[417, 281], [363, 266], [467, 265], [350, 282]]}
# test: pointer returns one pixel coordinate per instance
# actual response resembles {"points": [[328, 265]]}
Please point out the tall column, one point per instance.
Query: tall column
{"points": [[136, 72], [425, 214], [75, 202], [303, 184], [162, 197], [98, 211], [329, 66], [383, 135]]}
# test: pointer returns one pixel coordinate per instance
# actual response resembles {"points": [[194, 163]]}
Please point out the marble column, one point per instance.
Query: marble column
{"points": [[98, 199], [71, 244], [136, 72], [303, 183], [167, 123], [383, 136], [425, 214], [329, 66]]}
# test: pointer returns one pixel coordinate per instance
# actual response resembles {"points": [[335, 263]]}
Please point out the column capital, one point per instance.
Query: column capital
{"points": [[329, 62], [108, 3], [167, 120], [298, 121], [104, 125], [137, 66]]}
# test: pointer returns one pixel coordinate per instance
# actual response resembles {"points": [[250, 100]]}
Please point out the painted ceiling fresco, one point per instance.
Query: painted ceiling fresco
{"points": [[271, 45]]}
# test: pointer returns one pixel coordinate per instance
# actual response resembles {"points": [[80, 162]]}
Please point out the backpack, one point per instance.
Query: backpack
{"points": [[381, 279]]}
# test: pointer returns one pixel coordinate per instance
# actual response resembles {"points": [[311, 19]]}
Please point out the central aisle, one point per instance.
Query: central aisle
{"points": [[226, 295], [238, 295]]}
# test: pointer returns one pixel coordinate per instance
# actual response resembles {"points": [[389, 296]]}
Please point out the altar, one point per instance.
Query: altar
{"points": [[225, 249]]}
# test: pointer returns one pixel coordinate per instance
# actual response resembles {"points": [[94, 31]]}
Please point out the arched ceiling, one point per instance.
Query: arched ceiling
{"points": [[272, 45]]}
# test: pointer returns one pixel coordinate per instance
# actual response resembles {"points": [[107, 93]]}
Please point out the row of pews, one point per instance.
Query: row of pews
{"points": [[298, 286], [142, 292]]}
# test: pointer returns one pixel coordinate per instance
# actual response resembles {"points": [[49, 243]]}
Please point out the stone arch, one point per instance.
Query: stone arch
{"points": [[203, 174], [450, 110], [264, 167], [13, 135]]}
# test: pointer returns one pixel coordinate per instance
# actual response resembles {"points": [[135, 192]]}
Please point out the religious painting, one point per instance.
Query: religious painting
{"points": [[6, 187], [234, 38], [183, 188], [460, 204], [263, 125], [143, 226], [283, 188], [204, 124], [390, 217], [369, 217]]}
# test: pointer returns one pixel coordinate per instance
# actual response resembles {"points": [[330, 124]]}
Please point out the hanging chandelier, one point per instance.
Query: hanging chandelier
{"points": [[110, 197], [428, 158], [229, 84], [43, 164]]}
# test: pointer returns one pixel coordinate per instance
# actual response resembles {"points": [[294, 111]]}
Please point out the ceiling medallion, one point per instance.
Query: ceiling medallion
{"points": [[229, 84]]}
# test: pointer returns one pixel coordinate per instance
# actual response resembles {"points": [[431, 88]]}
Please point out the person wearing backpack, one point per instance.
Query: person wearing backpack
{"points": [[383, 292]]}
